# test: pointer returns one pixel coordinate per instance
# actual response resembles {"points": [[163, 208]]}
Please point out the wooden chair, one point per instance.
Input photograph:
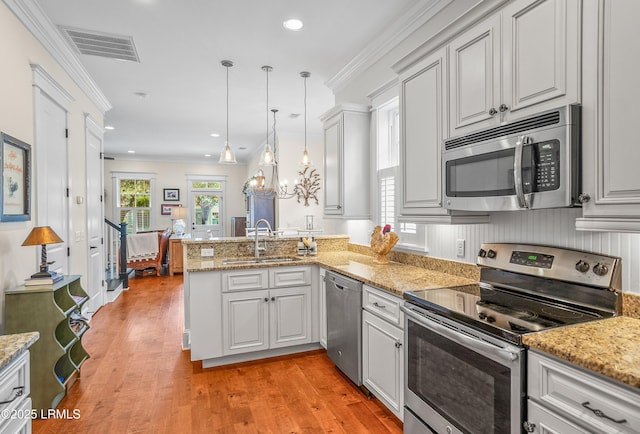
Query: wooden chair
{"points": [[163, 244]]}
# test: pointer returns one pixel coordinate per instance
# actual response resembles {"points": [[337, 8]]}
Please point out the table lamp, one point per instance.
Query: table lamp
{"points": [[178, 215], [42, 235]]}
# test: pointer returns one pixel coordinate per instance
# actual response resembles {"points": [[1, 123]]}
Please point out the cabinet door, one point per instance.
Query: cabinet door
{"points": [[245, 321], [383, 361], [290, 316], [610, 114], [205, 311], [475, 78], [541, 54], [332, 166], [422, 115]]}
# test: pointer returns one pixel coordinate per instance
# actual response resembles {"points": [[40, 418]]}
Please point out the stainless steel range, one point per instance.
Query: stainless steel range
{"points": [[464, 358]]}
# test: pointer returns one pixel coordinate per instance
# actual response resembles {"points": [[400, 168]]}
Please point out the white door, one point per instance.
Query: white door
{"points": [[95, 218], [206, 206], [51, 171]]}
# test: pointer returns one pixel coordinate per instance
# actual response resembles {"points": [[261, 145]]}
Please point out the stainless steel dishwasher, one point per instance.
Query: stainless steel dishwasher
{"points": [[344, 324]]}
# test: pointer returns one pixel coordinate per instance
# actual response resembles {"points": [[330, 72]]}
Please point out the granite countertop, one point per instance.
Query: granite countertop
{"points": [[393, 277], [610, 347], [11, 346]]}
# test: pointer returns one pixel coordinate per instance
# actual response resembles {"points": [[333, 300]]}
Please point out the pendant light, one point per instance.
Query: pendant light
{"points": [[306, 160], [227, 156], [267, 158]]}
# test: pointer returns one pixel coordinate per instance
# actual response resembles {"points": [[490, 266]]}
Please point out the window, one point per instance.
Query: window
{"points": [[388, 160], [133, 203]]}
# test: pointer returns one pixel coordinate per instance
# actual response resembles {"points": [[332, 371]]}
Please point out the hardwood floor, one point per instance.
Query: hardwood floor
{"points": [[138, 380]]}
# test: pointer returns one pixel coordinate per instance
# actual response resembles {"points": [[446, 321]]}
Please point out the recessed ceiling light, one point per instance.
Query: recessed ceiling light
{"points": [[292, 24], [242, 148], [131, 152], [207, 155], [109, 127], [141, 95], [215, 135]]}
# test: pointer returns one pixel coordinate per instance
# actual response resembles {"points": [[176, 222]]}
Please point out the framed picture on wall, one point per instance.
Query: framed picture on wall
{"points": [[171, 194], [15, 194], [165, 208]]}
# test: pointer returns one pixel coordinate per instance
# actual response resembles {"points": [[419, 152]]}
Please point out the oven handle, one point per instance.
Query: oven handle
{"points": [[505, 353], [517, 172]]}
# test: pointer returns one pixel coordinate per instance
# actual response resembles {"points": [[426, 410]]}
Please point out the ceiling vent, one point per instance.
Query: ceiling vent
{"points": [[102, 44]]}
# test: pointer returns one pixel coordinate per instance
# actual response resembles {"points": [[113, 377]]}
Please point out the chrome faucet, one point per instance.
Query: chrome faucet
{"points": [[257, 250]]}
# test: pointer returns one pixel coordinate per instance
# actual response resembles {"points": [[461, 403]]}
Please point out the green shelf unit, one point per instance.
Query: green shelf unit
{"points": [[78, 355], [65, 336], [59, 351]]}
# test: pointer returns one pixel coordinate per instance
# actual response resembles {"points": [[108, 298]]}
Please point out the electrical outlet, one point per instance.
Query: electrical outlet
{"points": [[460, 248], [206, 252]]}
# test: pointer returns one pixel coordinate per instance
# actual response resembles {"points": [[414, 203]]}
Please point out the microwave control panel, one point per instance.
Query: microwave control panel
{"points": [[547, 158]]}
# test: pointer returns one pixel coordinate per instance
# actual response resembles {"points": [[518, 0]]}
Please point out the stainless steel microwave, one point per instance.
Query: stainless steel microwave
{"points": [[529, 163]]}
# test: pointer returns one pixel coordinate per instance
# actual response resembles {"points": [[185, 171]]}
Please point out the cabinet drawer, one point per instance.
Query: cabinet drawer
{"points": [[382, 304], [20, 421], [14, 382], [581, 397], [281, 277], [245, 280]]}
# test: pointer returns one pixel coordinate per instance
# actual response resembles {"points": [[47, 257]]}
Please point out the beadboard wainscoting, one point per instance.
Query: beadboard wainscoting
{"points": [[554, 227]]}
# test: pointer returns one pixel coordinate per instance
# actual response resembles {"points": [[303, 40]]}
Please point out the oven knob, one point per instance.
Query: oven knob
{"points": [[600, 269], [491, 254], [491, 319], [482, 253], [448, 429], [582, 266], [482, 315]]}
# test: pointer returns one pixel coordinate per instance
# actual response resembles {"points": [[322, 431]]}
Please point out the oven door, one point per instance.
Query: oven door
{"points": [[459, 380]]}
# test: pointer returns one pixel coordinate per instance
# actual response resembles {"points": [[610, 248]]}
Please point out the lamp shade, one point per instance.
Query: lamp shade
{"points": [[179, 213], [42, 235]]}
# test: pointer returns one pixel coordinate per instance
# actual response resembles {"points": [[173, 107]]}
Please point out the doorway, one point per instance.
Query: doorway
{"points": [[206, 206]]}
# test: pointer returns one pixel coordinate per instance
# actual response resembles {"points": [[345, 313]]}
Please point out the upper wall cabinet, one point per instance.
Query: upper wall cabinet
{"points": [[423, 114], [610, 114], [346, 162], [520, 61]]}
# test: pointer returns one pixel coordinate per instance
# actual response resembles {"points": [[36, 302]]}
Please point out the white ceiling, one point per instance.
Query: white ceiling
{"points": [[181, 44]]}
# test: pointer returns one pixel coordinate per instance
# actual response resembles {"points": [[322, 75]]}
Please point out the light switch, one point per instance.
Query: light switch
{"points": [[460, 248]]}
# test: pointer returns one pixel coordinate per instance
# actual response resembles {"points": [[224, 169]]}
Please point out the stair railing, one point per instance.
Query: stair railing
{"points": [[116, 260]]}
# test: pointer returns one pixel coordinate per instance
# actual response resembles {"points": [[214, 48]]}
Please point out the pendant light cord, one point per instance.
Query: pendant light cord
{"points": [[305, 113], [227, 66]]}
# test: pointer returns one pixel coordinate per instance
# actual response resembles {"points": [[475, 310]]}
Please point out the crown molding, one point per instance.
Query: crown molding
{"points": [[386, 41], [32, 16]]}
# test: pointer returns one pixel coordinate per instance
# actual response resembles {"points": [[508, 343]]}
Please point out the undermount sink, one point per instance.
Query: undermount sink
{"points": [[265, 260]]}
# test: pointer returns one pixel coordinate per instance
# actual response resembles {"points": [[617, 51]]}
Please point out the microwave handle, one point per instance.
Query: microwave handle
{"points": [[517, 172]]}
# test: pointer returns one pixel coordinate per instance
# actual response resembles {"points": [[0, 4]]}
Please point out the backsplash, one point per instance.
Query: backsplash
{"points": [[553, 227]]}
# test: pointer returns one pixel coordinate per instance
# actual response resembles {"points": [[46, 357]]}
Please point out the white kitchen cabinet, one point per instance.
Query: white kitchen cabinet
{"points": [[265, 319], [205, 312], [610, 113], [323, 308], [346, 162], [382, 351], [563, 398], [423, 117], [520, 61], [15, 387]]}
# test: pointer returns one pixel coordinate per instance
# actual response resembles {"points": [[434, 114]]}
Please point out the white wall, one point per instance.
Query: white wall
{"points": [[19, 50]]}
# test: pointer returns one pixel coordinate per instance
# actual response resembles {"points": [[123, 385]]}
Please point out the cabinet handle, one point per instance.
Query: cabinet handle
{"points": [[584, 197], [492, 111], [266, 299], [273, 299], [18, 391], [381, 306], [339, 207], [599, 413], [528, 426], [503, 108], [398, 344]]}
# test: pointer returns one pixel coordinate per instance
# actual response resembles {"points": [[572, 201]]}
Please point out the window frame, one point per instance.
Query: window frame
{"points": [[117, 177]]}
